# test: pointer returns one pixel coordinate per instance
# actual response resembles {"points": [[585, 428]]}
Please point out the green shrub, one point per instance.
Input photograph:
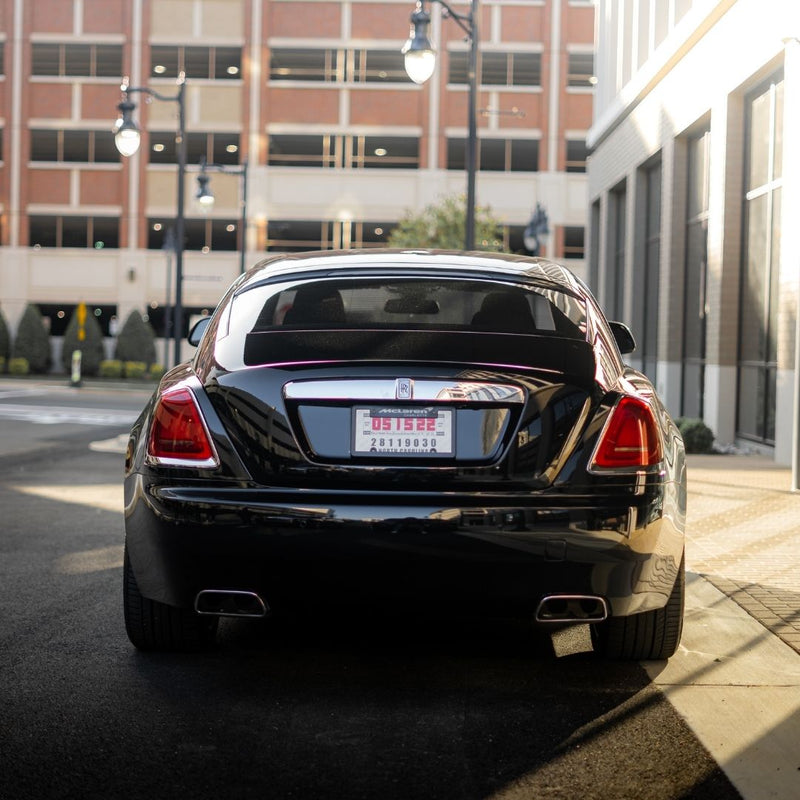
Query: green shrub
{"points": [[18, 366], [697, 436], [2, 364], [91, 346], [156, 371], [5, 340], [136, 340], [33, 342], [110, 369], [135, 369]]}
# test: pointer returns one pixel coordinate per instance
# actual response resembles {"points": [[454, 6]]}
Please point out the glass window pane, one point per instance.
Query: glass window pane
{"points": [[105, 150], [759, 136], [390, 152], [383, 66], [526, 69], [295, 235], [294, 150], [44, 145], [46, 59], [581, 69], [43, 231], [457, 67], [108, 60], [74, 232], [225, 148], [195, 234], [228, 63], [494, 69], [456, 153], [753, 324], [375, 232], [292, 64], [197, 147], [197, 62], [105, 232], [778, 168], [573, 241], [164, 62], [698, 174], [224, 234], [162, 148], [694, 312], [752, 396], [524, 155], [78, 59], [76, 145], [576, 155]]}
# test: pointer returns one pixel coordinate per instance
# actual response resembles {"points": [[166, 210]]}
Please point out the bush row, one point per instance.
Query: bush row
{"points": [[30, 352]]}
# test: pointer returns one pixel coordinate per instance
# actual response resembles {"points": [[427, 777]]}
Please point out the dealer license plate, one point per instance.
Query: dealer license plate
{"points": [[393, 431]]}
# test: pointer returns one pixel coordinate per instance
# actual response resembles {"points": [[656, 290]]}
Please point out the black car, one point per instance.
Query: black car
{"points": [[438, 430]]}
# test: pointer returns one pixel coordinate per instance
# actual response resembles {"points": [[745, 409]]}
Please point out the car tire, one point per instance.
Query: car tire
{"points": [[651, 635], [151, 625]]}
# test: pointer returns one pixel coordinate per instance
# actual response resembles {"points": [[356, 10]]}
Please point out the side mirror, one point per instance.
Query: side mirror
{"points": [[623, 337], [197, 331]]}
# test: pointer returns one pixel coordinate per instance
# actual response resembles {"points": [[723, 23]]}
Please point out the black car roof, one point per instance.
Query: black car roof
{"points": [[501, 265]]}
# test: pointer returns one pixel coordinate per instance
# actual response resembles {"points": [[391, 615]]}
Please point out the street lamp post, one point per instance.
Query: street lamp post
{"points": [[127, 138], [537, 231], [420, 60], [205, 198]]}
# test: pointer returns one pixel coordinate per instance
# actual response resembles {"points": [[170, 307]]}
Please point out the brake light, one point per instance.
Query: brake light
{"points": [[629, 438], [178, 432]]}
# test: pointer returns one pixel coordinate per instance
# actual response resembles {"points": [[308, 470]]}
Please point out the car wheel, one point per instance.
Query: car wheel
{"points": [[156, 626], [649, 635]]}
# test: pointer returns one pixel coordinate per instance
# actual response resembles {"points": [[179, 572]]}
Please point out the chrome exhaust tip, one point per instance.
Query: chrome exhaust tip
{"points": [[229, 603], [571, 608]]}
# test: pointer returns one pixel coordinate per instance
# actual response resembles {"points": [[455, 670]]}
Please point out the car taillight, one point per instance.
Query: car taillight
{"points": [[629, 438], [178, 432]]}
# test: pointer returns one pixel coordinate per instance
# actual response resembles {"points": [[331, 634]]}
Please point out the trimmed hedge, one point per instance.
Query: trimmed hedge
{"points": [[5, 341], [697, 436], [91, 347], [18, 366], [33, 342], [136, 341]]}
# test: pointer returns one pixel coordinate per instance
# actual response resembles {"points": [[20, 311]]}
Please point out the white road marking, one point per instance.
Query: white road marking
{"points": [[60, 415]]}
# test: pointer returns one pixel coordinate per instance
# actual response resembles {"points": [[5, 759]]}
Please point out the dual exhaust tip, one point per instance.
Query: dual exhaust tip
{"points": [[229, 603], [571, 608], [552, 608]]}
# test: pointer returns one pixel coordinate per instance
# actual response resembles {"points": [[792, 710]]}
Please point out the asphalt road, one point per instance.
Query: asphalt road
{"points": [[312, 708]]}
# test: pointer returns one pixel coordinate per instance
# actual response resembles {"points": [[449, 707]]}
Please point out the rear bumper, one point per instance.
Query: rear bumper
{"points": [[502, 557]]}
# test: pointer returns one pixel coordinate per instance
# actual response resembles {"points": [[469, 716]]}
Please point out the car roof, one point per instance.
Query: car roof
{"points": [[478, 264]]}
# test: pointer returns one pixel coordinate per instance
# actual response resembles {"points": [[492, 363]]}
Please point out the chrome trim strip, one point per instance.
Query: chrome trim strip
{"points": [[384, 389]]}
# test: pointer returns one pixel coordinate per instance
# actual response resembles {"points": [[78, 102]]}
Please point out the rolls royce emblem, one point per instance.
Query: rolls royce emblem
{"points": [[404, 389]]}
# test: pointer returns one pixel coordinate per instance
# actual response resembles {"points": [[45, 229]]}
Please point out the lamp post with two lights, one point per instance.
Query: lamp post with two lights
{"points": [[420, 61], [127, 137]]}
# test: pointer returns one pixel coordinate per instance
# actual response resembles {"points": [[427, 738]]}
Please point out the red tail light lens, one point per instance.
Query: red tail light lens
{"points": [[178, 433], [629, 438]]}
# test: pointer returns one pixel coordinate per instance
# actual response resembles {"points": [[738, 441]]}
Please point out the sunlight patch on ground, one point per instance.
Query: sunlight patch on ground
{"points": [[102, 558], [106, 496]]}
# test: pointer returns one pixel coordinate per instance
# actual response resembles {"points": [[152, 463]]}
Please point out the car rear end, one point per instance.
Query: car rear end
{"points": [[444, 438]]}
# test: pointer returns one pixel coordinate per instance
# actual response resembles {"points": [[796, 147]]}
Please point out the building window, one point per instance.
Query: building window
{"points": [[295, 236], [57, 316], [695, 276], [356, 152], [615, 274], [496, 155], [330, 65], [580, 70], [576, 155], [77, 60], [573, 241], [215, 148], [203, 63], [74, 146], [758, 307], [650, 274], [204, 234], [45, 230], [498, 69]]}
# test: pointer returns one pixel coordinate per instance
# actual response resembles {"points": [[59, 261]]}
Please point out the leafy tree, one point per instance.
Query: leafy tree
{"points": [[33, 342], [136, 340], [91, 346], [443, 224], [5, 339]]}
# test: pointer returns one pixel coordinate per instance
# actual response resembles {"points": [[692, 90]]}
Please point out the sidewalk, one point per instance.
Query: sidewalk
{"points": [[743, 536]]}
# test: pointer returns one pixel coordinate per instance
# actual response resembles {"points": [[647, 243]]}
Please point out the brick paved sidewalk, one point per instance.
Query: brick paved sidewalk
{"points": [[743, 535]]}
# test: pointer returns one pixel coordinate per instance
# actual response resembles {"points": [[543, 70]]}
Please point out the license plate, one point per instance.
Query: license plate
{"points": [[381, 431]]}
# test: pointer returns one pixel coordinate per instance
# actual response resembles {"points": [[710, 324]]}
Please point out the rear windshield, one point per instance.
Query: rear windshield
{"points": [[412, 304]]}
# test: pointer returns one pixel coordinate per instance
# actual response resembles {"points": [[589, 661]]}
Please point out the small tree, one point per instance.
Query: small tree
{"points": [[443, 225], [136, 340], [5, 341], [91, 346], [32, 341]]}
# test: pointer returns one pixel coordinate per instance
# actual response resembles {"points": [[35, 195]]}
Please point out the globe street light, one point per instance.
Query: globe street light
{"points": [[205, 198], [420, 60], [127, 138], [537, 231]]}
